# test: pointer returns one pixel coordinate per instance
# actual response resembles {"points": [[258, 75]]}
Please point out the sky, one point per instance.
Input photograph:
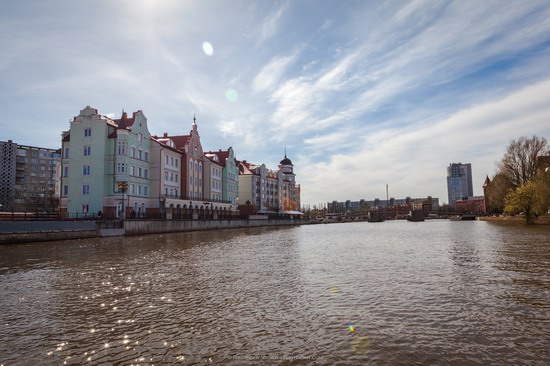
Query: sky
{"points": [[360, 93]]}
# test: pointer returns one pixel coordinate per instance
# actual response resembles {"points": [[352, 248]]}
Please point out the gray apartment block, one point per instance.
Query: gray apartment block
{"points": [[8, 154], [28, 177]]}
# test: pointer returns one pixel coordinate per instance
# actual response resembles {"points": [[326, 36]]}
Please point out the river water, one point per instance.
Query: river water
{"points": [[392, 293]]}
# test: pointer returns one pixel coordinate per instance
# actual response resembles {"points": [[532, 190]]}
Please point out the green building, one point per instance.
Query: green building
{"points": [[106, 166]]}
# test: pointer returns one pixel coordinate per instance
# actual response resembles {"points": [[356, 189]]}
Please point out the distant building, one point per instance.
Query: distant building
{"points": [[376, 204], [8, 156], [459, 181], [474, 205], [28, 177], [269, 190]]}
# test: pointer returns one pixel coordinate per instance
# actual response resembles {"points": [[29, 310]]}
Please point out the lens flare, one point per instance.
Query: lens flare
{"points": [[207, 48], [231, 95]]}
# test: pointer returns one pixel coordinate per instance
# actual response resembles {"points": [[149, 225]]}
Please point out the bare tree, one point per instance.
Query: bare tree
{"points": [[519, 163]]}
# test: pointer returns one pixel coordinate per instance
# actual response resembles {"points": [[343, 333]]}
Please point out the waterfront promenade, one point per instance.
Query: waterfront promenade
{"points": [[37, 231]]}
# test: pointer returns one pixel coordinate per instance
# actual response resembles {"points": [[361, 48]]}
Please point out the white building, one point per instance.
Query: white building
{"points": [[269, 190]]}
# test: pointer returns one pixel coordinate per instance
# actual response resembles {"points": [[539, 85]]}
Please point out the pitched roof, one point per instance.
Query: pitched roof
{"points": [[124, 121], [222, 155], [245, 167], [180, 141]]}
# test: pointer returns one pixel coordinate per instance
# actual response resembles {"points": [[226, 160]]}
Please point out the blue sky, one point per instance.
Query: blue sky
{"points": [[361, 93]]}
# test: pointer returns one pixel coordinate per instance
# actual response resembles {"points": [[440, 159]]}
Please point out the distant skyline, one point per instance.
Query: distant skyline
{"points": [[361, 93]]}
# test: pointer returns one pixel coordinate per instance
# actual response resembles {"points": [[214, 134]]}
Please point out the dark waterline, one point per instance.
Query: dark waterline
{"points": [[437, 292]]}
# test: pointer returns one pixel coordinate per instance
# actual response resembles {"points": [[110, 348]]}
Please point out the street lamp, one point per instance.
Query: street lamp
{"points": [[122, 188], [44, 201], [162, 204]]}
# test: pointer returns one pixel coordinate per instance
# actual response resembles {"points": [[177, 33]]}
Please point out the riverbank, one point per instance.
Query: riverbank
{"points": [[13, 232], [517, 220]]}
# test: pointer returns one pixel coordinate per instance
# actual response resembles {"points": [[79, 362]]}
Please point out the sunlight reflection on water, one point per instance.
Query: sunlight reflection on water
{"points": [[388, 293]]}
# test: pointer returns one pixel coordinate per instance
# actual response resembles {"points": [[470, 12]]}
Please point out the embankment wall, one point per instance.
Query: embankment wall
{"points": [[144, 227]]}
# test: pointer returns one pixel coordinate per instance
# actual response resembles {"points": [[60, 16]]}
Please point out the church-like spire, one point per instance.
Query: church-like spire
{"points": [[194, 122]]}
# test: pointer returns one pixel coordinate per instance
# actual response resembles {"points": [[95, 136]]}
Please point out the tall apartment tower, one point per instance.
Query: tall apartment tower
{"points": [[8, 154], [459, 181]]}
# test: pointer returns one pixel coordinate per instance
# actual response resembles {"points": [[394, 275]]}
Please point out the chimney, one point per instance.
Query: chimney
{"points": [[165, 134]]}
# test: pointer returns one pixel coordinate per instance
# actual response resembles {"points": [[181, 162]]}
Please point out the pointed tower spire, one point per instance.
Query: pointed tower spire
{"points": [[194, 122]]}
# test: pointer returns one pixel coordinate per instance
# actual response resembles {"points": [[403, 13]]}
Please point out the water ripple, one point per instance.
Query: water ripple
{"points": [[391, 293]]}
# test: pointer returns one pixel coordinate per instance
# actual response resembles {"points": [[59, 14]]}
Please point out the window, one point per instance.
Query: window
{"points": [[139, 190], [87, 150], [85, 208], [140, 153], [165, 175], [87, 132], [145, 173], [176, 163], [65, 171], [172, 160], [145, 191], [86, 189], [121, 148], [66, 153], [86, 170], [133, 189], [176, 176], [166, 159], [146, 156], [139, 171], [133, 152], [65, 190], [132, 170], [120, 168]]}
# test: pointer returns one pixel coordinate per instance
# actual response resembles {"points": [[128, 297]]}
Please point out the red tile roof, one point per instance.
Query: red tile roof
{"points": [[180, 141], [222, 155], [124, 121]]}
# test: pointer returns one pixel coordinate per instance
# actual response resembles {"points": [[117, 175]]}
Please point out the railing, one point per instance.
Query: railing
{"points": [[105, 222], [188, 198]]}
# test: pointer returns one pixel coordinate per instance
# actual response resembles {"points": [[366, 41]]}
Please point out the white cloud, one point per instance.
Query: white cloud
{"points": [[396, 87], [272, 72], [271, 23], [413, 159]]}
